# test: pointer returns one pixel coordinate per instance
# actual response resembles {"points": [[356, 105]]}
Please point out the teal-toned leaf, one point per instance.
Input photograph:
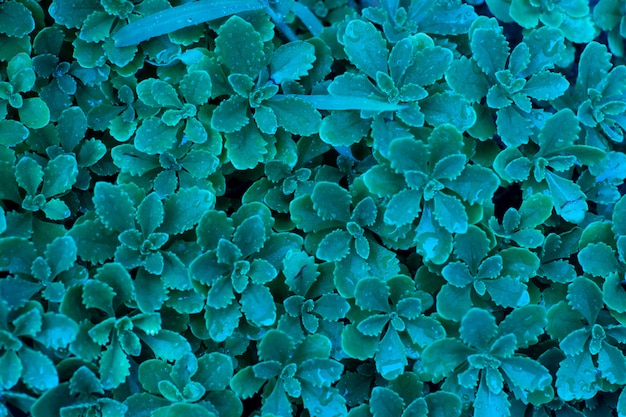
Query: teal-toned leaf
{"points": [[490, 49], [221, 323], [246, 148], [357, 345], [448, 108], [11, 367], [450, 213], [97, 294], [612, 364], [149, 292], [130, 160], [150, 213], [442, 403], [478, 327], [91, 151], [526, 374], [15, 291], [38, 371], [277, 403], [372, 294], [295, 115], [343, 128], [598, 259], [385, 402], [513, 127], [373, 325], [559, 131], [245, 384], [527, 323], [403, 207], [300, 271], [569, 200], [508, 291], [276, 345], [240, 47], [424, 330], [584, 296], [114, 206], [476, 184], [408, 155], [331, 201], [472, 247], [167, 345], [257, 304], [292, 61], [490, 404], [576, 378], [391, 356], [421, 72], [28, 174], [214, 371], [185, 208], [85, 382], [94, 241], [614, 294], [12, 132], [334, 246], [465, 78], [59, 175], [457, 274], [195, 87], [594, 65], [365, 47], [346, 102], [546, 85], [154, 137], [250, 236], [231, 115], [34, 113], [57, 331], [16, 19], [441, 357], [320, 372], [96, 27]]}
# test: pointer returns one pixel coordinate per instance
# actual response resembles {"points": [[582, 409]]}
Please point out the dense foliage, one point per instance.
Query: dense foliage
{"points": [[393, 208]]}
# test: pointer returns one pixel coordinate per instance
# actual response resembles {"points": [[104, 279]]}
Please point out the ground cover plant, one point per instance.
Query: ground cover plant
{"points": [[393, 208]]}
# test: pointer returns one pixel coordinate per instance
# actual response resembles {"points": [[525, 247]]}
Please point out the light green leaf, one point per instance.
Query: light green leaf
{"points": [[559, 131], [331, 201], [448, 108], [185, 208], [403, 207], [16, 19], [569, 200], [28, 174], [450, 213], [357, 345], [343, 128], [246, 148], [10, 369], [365, 47], [465, 78], [167, 345], [114, 206], [334, 246], [12, 132], [195, 87], [526, 323], [295, 115], [508, 291], [96, 27], [57, 331], [441, 357], [38, 371], [584, 296], [154, 137], [34, 113], [258, 305], [576, 378], [59, 175], [384, 402], [478, 327], [372, 294], [71, 127], [240, 46], [291, 61], [490, 49], [490, 404], [391, 356], [546, 85], [598, 259]]}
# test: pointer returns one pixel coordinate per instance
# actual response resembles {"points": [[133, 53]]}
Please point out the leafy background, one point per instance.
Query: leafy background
{"points": [[316, 208]]}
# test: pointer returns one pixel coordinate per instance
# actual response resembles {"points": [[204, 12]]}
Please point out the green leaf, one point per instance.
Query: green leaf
{"points": [[508, 291], [546, 85], [154, 137], [343, 128], [559, 131], [97, 294], [15, 291], [448, 108], [28, 174], [357, 345], [167, 345], [295, 115], [424, 330], [38, 371], [10, 369], [291, 61], [526, 373], [598, 259], [403, 207], [490, 49], [465, 78], [57, 331], [407, 154], [372, 294], [584, 296], [16, 19], [320, 372], [472, 247], [391, 355], [185, 208], [34, 113], [85, 382], [240, 46], [334, 246], [614, 293], [490, 404], [276, 345], [365, 47], [246, 148], [526, 323], [12, 132], [195, 87], [478, 327], [450, 213], [300, 271], [258, 305], [442, 404], [59, 175], [385, 403], [114, 206], [576, 378], [346, 102], [569, 200], [331, 201], [594, 65], [476, 184], [214, 371], [513, 127], [250, 236], [97, 27], [441, 357]]}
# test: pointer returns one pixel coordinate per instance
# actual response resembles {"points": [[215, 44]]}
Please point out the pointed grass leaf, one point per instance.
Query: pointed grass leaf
{"points": [[365, 47], [334, 246], [114, 206], [385, 402], [569, 200], [584, 296], [478, 327], [59, 175], [258, 305], [441, 357], [38, 371]]}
